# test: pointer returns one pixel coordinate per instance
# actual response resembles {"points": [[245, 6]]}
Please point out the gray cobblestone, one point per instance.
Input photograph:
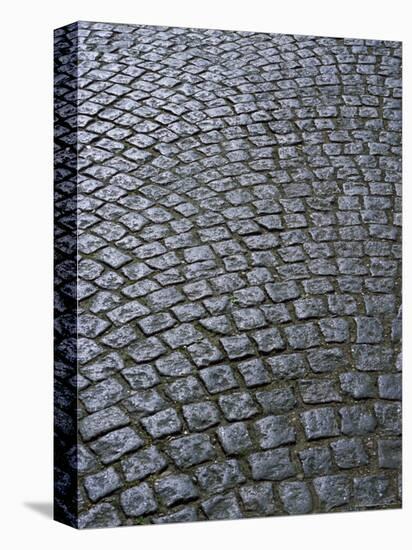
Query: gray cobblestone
{"points": [[234, 329], [319, 423], [175, 489], [271, 465], [296, 497], [316, 461], [349, 453], [163, 423], [191, 449], [237, 406], [114, 445], [138, 501], [143, 463], [220, 476], [222, 507], [274, 431], [258, 498], [101, 484], [333, 491]]}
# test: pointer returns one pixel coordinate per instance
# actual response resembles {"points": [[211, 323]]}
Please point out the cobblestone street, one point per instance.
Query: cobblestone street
{"points": [[234, 201]]}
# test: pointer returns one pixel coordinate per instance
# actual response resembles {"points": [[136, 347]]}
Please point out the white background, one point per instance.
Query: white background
{"points": [[26, 270]]}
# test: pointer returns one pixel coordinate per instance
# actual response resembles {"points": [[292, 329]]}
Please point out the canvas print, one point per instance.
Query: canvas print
{"points": [[227, 274]]}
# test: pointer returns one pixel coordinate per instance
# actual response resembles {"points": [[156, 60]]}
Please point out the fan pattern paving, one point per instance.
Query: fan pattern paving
{"points": [[233, 199]]}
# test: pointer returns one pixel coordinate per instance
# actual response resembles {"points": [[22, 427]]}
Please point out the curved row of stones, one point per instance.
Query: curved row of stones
{"points": [[239, 265]]}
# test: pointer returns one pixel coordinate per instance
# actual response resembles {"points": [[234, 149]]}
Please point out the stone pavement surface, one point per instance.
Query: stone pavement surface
{"points": [[234, 202]]}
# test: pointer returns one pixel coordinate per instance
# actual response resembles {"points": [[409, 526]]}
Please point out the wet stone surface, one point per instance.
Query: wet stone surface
{"points": [[238, 233]]}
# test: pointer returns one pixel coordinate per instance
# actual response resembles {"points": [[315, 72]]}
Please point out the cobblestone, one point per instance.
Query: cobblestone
{"points": [[114, 445], [143, 463], [349, 453], [227, 277], [333, 491], [271, 465], [138, 501], [220, 476], [316, 461], [175, 489], [319, 423], [296, 497], [258, 498], [191, 449], [274, 431], [235, 438], [101, 484]]}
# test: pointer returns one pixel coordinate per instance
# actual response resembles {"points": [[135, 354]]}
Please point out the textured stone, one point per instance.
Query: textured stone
{"points": [[101, 484], [296, 497], [127, 312], [332, 491], [185, 390], [175, 489], [372, 357], [143, 463], [271, 465], [138, 501], [237, 346], [276, 401], [145, 401], [220, 476], [101, 395], [222, 507], [156, 323], [268, 340], [281, 292], [183, 335], [390, 453], [184, 514], [258, 498], [237, 406], [147, 350], [373, 490], [390, 386], [229, 321], [349, 453], [254, 372], [369, 330], [358, 385], [201, 416], [288, 366], [191, 449], [327, 360], [334, 329], [316, 461], [303, 336], [273, 431], [319, 423], [218, 379], [318, 390], [101, 515], [234, 438], [114, 445], [357, 420], [101, 422], [163, 423], [204, 353], [141, 377], [389, 417], [103, 368], [174, 364], [248, 318]]}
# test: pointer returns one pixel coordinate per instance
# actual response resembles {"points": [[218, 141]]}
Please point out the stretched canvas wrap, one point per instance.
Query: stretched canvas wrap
{"points": [[227, 274]]}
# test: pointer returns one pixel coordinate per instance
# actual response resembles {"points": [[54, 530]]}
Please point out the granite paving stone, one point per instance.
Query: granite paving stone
{"points": [[228, 314]]}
